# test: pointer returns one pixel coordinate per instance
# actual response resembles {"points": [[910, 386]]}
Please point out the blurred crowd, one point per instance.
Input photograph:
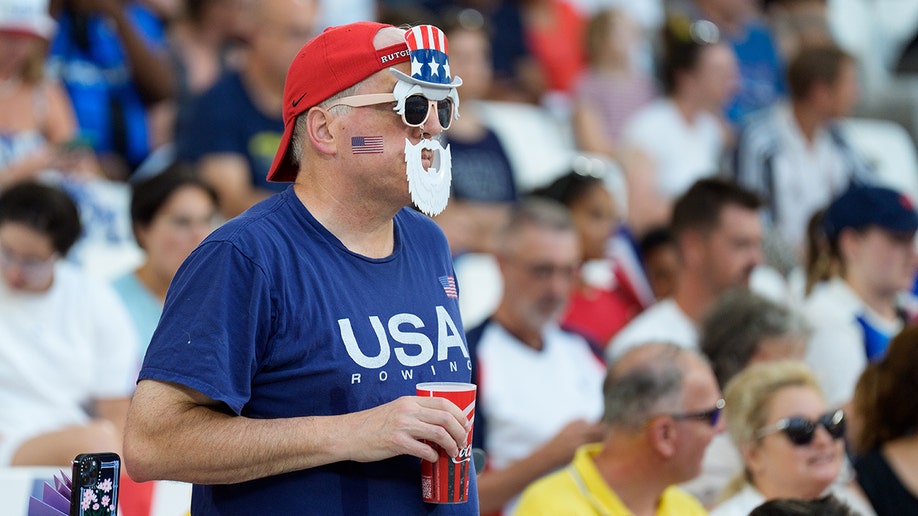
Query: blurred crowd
{"points": [[714, 242]]}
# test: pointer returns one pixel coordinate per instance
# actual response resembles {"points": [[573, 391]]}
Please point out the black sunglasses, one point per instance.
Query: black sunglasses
{"points": [[417, 107], [712, 416], [801, 431]]}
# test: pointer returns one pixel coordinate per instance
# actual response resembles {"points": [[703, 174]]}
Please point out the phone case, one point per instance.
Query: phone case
{"points": [[95, 484]]}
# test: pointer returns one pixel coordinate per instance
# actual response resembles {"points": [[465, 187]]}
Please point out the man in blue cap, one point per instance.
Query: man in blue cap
{"points": [[871, 235]]}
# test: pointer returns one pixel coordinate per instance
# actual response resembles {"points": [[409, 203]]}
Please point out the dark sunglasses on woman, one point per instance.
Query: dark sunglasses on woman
{"points": [[800, 430]]}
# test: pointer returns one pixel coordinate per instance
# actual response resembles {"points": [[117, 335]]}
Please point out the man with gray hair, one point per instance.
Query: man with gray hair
{"points": [[539, 386], [740, 329], [662, 408]]}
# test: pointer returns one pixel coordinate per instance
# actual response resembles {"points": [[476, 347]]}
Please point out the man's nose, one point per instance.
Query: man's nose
{"points": [[432, 124]]}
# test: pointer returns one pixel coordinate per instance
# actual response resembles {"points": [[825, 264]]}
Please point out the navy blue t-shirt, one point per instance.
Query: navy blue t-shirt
{"points": [[272, 316], [223, 119]]}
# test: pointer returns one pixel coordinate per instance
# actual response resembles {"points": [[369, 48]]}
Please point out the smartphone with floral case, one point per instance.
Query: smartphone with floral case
{"points": [[95, 484]]}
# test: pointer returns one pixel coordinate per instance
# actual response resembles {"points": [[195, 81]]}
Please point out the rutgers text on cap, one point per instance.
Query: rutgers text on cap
{"points": [[333, 61]]}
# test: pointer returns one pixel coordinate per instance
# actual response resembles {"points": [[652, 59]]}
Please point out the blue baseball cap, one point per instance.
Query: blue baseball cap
{"points": [[866, 205]]}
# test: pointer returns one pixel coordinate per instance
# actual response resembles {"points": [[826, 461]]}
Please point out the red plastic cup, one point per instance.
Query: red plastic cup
{"points": [[448, 479]]}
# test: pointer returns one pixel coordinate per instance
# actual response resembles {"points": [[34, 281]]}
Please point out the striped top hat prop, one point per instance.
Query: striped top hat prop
{"points": [[429, 58]]}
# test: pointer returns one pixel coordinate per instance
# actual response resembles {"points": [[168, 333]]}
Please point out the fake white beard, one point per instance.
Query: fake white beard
{"points": [[429, 188]]}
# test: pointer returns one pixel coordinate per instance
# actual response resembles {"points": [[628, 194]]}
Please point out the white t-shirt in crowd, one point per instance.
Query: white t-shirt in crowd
{"points": [[836, 352], [682, 151], [662, 322], [529, 395], [60, 350], [807, 175]]}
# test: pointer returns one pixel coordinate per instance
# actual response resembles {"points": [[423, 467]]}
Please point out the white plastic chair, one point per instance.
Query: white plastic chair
{"points": [[540, 147], [889, 148]]}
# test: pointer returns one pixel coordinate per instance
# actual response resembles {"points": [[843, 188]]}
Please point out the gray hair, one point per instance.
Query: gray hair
{"points": [[536, 212], [638, 391], [299, 123], [738, 323]]}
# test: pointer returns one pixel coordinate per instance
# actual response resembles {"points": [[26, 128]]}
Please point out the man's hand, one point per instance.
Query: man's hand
{"points": [[400, 426]]}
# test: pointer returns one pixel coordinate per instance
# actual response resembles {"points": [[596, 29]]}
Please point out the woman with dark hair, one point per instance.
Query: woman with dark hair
{"points": [[699, 76], [67, 347], [597, 309], [171, 213], [886, 429]]}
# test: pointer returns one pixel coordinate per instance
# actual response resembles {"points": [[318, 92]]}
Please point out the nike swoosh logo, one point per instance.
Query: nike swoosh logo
{"points": [[297, 101]]}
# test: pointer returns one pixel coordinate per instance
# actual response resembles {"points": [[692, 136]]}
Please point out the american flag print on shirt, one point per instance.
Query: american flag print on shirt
{"points": [[366, 144], [449, 286]]}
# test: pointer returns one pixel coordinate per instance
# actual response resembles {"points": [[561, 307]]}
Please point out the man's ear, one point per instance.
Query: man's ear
{"points": [[319, 132], [661, 434]]}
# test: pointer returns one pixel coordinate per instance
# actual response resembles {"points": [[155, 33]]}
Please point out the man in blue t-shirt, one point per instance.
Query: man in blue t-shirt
{"points": [[281, 378], [231, 131]]}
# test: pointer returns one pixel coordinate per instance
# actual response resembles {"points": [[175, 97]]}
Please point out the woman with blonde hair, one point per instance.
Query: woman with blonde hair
{"points": [[791, 445], [35, 114]]}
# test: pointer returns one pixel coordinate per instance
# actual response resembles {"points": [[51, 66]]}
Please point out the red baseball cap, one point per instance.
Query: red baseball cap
{"points": [[333, 61]]}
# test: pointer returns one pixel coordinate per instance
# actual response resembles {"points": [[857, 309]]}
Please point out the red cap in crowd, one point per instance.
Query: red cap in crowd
{"points": [[333, 61]]}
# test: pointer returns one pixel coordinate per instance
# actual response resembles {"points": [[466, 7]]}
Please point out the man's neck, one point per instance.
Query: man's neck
{"points": [[358, 226], [808, 120], [633, 479], [531, 337], [692, 296], [267, 92]]}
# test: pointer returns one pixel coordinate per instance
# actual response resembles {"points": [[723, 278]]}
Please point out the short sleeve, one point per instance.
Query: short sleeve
{"points": [[215, 326]]}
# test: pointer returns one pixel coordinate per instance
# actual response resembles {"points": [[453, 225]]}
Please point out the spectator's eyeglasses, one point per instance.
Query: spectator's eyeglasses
{"points": [[801, 430], [33, 270], [417, 107], [711, 416]]}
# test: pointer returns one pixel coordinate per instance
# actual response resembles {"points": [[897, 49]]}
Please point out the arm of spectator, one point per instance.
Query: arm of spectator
{"points": [[229, 175], [27, 167], [587, 130], [114, 410], [174, 432], [60, 120], [497, 487], [647, 208], [150, 68]]}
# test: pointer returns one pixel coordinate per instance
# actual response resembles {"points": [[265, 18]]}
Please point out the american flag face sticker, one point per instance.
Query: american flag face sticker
{"points": [[449, 286], [367, 144]]}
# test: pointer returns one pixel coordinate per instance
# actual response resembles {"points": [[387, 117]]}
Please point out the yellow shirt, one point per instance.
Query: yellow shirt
{"points": [[579, 490]]}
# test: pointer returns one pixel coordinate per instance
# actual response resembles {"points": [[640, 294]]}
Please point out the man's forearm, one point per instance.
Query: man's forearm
{"points": [[200, 444]]}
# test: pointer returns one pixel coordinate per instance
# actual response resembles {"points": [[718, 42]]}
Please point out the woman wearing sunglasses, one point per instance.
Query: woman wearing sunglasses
{"points": [[792, 445]]}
